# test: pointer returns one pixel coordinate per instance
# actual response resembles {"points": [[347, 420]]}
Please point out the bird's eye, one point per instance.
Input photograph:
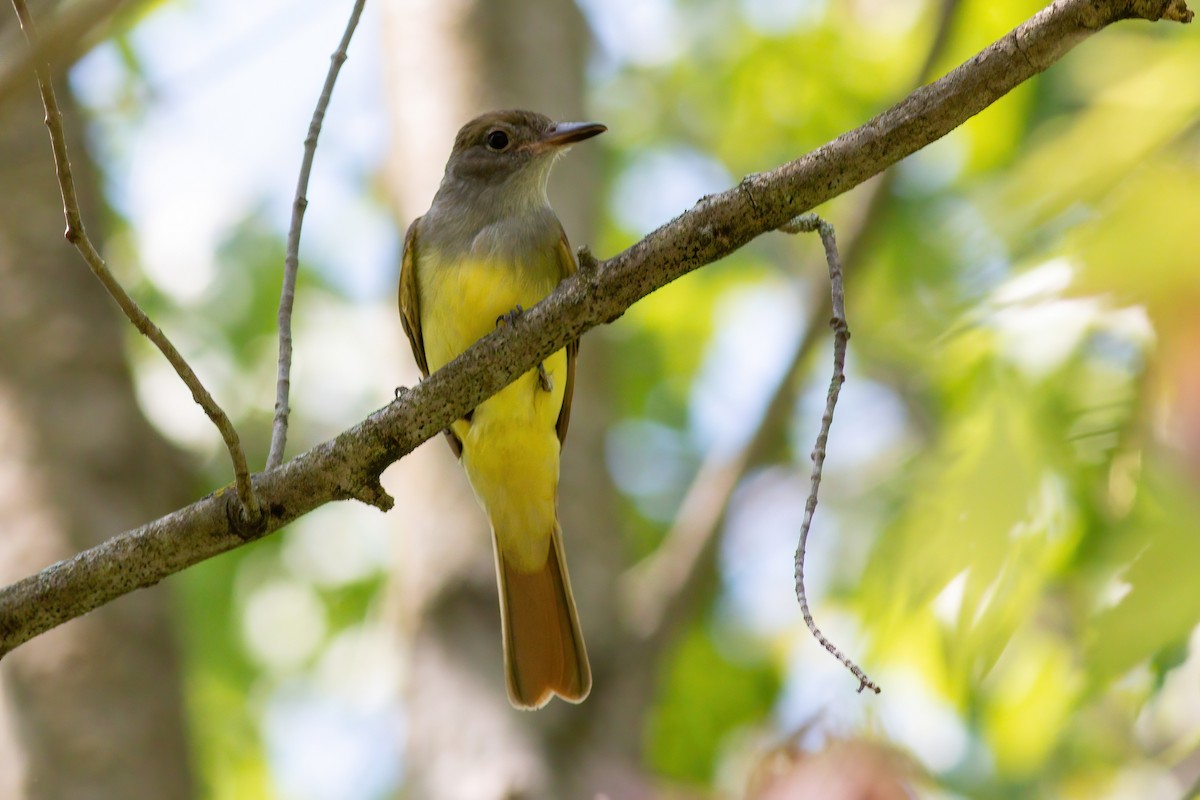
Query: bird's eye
{"points": [[497, 140]]}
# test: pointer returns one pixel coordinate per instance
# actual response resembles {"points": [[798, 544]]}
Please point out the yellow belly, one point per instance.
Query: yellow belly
{"points": [[510, 444]]}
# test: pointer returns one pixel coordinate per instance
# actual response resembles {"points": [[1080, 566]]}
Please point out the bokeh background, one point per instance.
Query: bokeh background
{"points": [[1009, 534]]}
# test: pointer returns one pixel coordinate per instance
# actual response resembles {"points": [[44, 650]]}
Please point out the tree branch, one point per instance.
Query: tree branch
{"points": [[291, 262], [76, 234], [349, 466]]}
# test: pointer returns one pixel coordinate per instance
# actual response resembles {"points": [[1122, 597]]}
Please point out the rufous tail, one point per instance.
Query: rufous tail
{"points": [[544, 653]]}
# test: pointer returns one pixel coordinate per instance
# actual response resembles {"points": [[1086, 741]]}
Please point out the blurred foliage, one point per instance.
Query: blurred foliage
{"points": [[1028, 296], [1028, 523], [683, 736], [229, 756]]}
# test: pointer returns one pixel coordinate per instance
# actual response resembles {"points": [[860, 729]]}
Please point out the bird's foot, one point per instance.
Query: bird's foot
{"points": [[511, 316], [544, 379]]}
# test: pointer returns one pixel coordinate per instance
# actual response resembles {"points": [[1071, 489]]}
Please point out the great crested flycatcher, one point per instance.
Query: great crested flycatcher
{"points": [[489, 246]]}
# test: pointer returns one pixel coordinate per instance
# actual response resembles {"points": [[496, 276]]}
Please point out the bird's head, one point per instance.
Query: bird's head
{"points": [[512, 151]]}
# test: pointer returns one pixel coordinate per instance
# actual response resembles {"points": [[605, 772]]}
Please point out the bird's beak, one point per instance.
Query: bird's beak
{"points": [[562, 134]]}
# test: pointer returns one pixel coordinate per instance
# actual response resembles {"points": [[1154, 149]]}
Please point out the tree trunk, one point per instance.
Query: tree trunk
{"points": [[450, 61], [92, 709]]}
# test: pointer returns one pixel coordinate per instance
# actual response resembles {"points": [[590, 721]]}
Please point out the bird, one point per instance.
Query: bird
{"points": [[489, 247]]}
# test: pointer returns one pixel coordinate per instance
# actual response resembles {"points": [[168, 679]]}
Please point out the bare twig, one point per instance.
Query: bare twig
{"points": [[292, 259], [349, 466], [808, 223], [77, 236], [657, 591]]}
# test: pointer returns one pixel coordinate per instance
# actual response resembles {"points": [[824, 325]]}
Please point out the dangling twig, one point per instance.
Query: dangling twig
{"points": [[807, 223], [291, 260]]}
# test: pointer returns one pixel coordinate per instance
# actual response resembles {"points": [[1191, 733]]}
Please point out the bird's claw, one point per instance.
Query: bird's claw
{"points": [[511, 316], [544, 379]]}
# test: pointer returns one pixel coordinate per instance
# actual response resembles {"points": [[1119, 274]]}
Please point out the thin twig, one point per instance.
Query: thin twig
{"points": [[807, 223], [291, 260], [77, 236]]}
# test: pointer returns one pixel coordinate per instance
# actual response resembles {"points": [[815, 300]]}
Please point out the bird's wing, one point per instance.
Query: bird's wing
{"points": [[410, 315], [410, 311], [566, 260]]}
